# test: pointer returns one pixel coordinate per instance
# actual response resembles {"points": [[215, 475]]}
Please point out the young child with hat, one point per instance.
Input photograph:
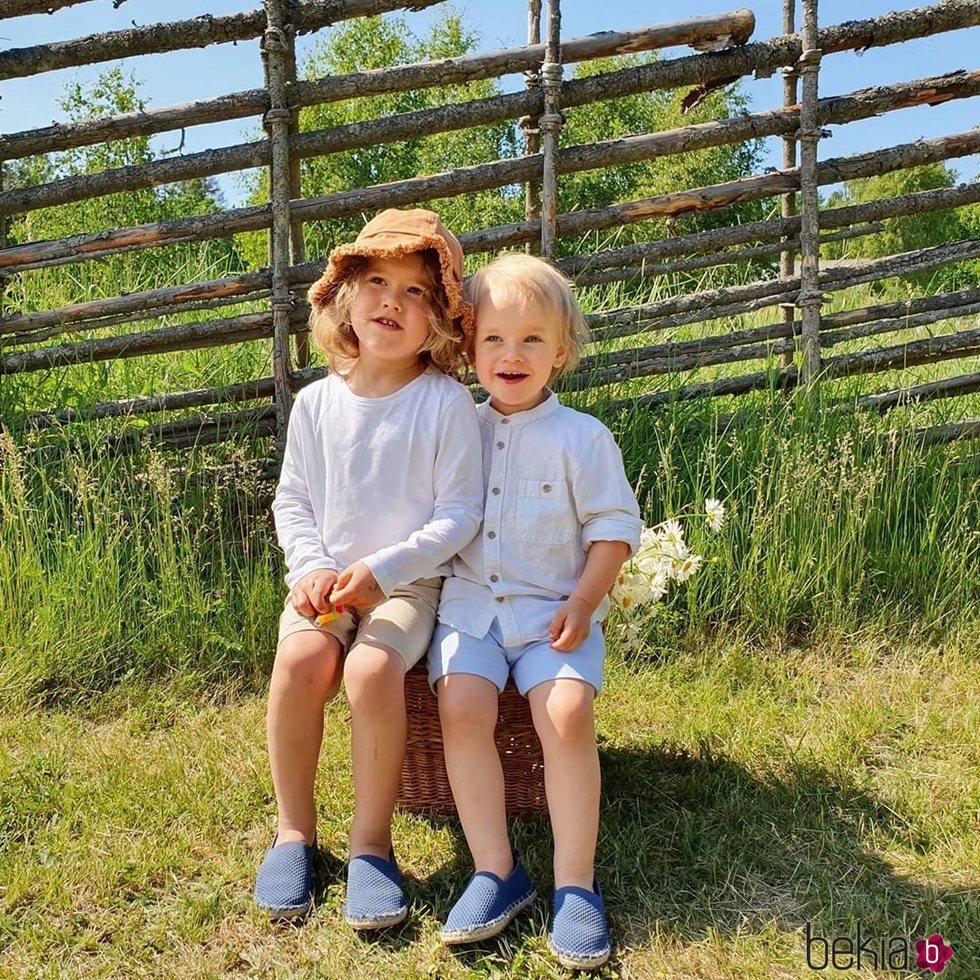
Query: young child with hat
{"points": [[381, 486]]}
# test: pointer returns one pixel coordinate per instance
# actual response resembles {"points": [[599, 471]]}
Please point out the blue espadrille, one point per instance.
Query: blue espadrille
{"points": [[487, 905], [579, 936], [375, 898], [284, 884]]}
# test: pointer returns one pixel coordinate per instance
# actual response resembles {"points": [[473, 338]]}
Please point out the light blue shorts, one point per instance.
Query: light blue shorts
{"points": [[454, 652]]}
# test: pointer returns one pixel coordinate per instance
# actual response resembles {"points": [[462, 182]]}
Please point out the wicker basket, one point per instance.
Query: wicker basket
{"points": [[425, 785]]}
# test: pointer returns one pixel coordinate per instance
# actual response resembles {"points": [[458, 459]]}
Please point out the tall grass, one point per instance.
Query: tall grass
{"points": [[839, 521], [116, 569]]}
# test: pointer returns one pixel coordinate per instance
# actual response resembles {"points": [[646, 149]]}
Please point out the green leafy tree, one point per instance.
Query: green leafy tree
{"points": [[372, 43], [112, 93], [912, 232], [379, 42]]}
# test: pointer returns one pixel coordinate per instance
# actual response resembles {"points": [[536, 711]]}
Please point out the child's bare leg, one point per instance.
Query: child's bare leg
{"points": [[468, 713], [374, 678], [564, 720], [306, 674]]}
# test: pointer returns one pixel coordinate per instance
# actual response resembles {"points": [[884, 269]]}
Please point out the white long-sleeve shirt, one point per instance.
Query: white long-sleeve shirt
{"points": [[395, 482], [555, 484]]}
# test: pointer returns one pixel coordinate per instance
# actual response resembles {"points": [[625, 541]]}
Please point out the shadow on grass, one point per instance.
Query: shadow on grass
{"points": [[697, 846]]}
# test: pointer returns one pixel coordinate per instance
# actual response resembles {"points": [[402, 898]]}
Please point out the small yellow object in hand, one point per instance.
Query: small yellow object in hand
{"points": [[329, 617]]}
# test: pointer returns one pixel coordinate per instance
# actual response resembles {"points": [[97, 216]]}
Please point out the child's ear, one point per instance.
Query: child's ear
{"points": [[561, 355]]}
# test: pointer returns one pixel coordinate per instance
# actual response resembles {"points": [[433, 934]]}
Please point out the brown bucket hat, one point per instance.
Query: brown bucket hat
{"points": [[393, 233]]}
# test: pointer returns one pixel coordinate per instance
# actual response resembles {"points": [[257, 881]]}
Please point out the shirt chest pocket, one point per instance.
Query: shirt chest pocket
{"points": [[544, 512]]}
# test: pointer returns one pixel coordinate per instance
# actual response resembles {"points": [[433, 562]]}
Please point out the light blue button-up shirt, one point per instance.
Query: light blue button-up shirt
{"points": [[554, 484]]}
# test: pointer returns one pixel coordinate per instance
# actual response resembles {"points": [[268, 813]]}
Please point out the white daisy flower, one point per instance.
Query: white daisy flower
{"points": [[685, 569], [714, 511]]}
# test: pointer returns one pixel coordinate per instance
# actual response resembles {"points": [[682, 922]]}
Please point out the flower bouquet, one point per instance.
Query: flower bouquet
{"points": [[663, 558]]}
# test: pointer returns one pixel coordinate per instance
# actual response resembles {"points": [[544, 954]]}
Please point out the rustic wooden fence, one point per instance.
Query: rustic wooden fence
{"points": [[802, 336]]}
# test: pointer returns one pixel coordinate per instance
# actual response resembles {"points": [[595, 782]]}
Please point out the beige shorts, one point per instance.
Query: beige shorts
{"points": [[401, 622]]}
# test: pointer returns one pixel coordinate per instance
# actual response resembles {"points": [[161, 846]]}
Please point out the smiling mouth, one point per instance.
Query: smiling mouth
{"points": [[512, 377], [387, 324]]}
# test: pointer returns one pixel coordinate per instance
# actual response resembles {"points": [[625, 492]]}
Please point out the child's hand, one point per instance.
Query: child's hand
{"points": [[311, 594], [571, 625], [356, 586]]}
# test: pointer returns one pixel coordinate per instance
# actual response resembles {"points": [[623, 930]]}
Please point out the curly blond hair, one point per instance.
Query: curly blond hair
{"points": [[333, 333]]}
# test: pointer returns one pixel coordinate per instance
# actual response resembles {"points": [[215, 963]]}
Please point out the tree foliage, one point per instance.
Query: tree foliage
{"points": [[912, 232], [379, 42], [113, 92]]}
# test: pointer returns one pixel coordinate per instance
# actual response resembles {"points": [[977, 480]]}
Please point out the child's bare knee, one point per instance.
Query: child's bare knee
{"points": [[564, 709], [308, 660], [467, 703], [372, 671]]}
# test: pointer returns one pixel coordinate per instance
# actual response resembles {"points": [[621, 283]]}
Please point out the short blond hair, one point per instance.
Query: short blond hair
{"points": [[537, 281], [333, 333]]}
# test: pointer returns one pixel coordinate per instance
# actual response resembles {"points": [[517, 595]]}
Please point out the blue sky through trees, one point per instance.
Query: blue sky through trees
{"points": [[185, 76]]}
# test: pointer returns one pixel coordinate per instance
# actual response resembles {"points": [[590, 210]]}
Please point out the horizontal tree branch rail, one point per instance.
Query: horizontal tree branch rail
{"points": [[648, 270], [761, 58], [202, 431], [857, 105], [379, 81], [262, 299], [690, 356], [232, 287], [663, 358], [181, 35], [23, 8], [886, 401], [835, 330], [871, 362], [483, 177], [785, 379], [137, 407], [735, 300], [833, 278], [919, 202], [659, 316], [909, 307], [782, 379], [926, 351], [772, 184], [95, 314], [942, 435], [187, 336], [678, 364]]}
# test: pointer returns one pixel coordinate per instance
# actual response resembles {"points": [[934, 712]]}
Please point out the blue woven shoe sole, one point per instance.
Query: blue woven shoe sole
{"points": [[580, 923], [579, 961]]}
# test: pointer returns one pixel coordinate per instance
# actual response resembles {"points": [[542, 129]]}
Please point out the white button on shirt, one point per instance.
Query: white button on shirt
{"points": [[557, 484]]}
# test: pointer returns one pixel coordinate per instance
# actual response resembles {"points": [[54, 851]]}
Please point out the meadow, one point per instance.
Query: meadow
{"points": [[791, 748]]}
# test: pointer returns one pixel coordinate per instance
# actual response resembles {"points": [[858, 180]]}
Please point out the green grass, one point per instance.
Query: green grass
{"points": [[795, 742], [115, 568], [748, 790]]}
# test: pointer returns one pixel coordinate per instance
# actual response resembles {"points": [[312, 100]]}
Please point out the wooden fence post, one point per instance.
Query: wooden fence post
{"points": [[810, 297], [787, 258], [532, 134], [277, 120], [550, 125], [297, 241]]}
